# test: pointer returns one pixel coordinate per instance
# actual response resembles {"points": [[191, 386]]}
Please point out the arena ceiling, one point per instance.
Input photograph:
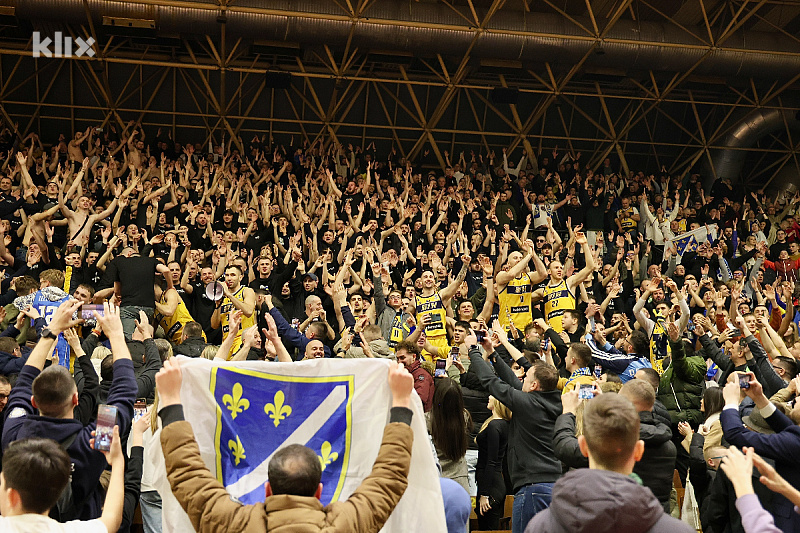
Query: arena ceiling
{"points": [[694, 85]]}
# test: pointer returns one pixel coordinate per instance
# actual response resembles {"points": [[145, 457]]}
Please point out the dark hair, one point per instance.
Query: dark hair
{"points": [[294, 470], [462, 323], [318, 329], [788, 364], [52, 389], [611, 429], [88, 288], [713, 402], [639, 343], [237, 267], [575, 314], [4, 381], [450, 423], [547, 376], [107, 368], [38, 469], [581, 352], [651, 376], [8, 344], [26, 285], [193, 329]]}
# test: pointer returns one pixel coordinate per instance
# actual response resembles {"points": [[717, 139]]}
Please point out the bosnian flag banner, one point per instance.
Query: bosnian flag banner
{"points": [[243, 412], [689, 241]]}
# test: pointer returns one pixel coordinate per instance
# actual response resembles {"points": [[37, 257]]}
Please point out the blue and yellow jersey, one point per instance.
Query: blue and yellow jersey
{"points": [[659, 345], [224, 311], [557, 299], [432, 306], [399, 331], [173, 325], [515, 301]]}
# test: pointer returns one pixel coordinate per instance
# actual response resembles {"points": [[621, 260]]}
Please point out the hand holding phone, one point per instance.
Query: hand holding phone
{"points": [[744, 380]]}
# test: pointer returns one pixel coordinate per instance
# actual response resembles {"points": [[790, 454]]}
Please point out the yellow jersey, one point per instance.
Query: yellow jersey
{"points": [[659, 346], [224, 311], [399, 331], [626, 220], [432, 305], [515, 302], [173, 325], [557, 299]]}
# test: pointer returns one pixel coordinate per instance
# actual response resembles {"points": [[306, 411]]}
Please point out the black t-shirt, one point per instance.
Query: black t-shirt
{"points": [[137, 276]]}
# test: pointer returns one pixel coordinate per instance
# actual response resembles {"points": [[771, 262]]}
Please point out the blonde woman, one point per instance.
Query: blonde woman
{"points": [[492, 441]]}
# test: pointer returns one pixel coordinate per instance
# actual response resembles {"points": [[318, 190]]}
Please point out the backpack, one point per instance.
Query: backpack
{"points": [[65, 508]]}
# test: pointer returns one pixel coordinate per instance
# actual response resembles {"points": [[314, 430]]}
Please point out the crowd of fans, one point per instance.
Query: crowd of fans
{"points": [[564, 349]]}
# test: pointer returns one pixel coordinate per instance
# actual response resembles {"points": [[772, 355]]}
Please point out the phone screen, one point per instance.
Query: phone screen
{"points": [[585, 391], [106, 418], [744, 381], [139, 409], [440, 371], [86, 311]]}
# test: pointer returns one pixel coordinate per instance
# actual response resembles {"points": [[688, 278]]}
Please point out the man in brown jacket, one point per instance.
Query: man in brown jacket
{"points": [[292, 503]]}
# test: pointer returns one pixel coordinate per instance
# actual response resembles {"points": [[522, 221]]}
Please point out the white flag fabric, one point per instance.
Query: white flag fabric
{"points": [[689, 241], [243, 412]]}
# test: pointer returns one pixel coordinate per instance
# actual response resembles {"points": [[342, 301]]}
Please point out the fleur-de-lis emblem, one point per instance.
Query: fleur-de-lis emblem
{"points": [[277, 410], [236, 404], [236, 448], [327, 456]]}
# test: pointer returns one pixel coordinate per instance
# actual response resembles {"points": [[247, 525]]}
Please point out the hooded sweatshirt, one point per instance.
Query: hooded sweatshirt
{"points": [[599, 501], [21, 422]]}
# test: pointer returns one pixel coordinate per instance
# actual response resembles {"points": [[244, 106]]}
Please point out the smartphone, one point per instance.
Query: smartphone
{"points": [[106, 419], [690, 326], [744, 381], [585, 391], [480, 335], [598, 371], [440, 371], [86, 311], [139, 409], [593, 324], [735, 332], [546, 345]]}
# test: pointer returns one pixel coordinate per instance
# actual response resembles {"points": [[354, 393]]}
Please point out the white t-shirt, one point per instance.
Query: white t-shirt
{"points": [[35, 523]]}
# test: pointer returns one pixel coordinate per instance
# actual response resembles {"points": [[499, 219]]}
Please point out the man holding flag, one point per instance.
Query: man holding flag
{"points": [[294, 488]]}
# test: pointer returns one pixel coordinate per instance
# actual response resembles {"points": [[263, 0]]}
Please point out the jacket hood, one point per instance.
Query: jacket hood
{"points": [[57, 429], [589, 501], [651, 431], [551, 403]]}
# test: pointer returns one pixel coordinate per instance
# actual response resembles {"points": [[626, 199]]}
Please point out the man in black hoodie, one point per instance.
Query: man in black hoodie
{"points": [[55, 396], [536, 403], [607, 496]]}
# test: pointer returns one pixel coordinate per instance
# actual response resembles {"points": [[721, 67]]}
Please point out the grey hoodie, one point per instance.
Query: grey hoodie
{"points": [[599, 501]]}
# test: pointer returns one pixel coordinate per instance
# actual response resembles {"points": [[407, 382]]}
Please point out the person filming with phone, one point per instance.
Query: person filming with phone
{"points": [[783, 446], [53, 392]]}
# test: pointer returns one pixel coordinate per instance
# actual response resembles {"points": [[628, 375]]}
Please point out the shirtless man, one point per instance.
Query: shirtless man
{"points": [[82, 219], [74, 147]]}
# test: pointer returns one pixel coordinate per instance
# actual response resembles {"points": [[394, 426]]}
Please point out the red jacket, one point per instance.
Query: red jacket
{"points": [[423, 384]]}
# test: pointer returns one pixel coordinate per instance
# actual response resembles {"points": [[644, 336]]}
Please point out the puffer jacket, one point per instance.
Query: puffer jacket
{"points": [[211, 509], [681, 387]]}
